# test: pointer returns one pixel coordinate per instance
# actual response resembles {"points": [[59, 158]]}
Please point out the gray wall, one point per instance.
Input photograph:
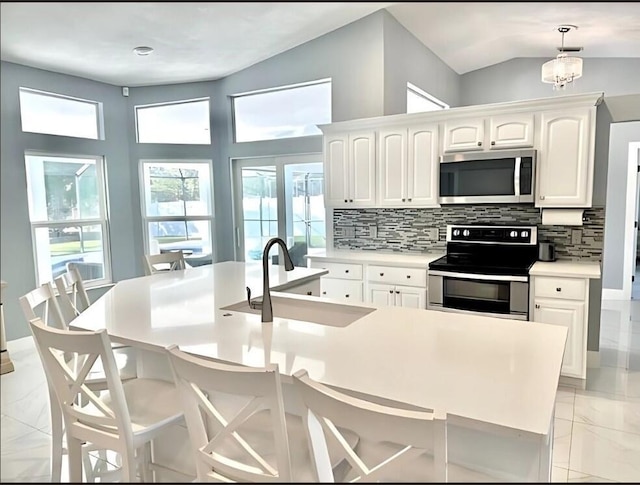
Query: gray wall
{"points": [[406, 59], [613, 263], [16, 256], [519, 79]]}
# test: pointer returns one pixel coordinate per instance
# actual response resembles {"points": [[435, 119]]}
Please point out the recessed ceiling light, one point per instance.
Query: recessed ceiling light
{"points": [[143, 50]]}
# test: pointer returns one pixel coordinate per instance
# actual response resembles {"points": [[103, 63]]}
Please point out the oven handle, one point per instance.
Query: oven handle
{"points": [[471, 276]]}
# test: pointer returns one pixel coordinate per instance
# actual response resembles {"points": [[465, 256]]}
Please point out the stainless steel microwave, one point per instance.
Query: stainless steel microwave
{"points": [[487, 177]]}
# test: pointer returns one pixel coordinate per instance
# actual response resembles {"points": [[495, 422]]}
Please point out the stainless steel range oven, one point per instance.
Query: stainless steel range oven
{"points": [[485, 271]]}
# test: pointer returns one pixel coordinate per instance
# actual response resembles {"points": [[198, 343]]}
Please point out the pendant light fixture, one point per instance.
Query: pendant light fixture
{"points": [[564, 68]]}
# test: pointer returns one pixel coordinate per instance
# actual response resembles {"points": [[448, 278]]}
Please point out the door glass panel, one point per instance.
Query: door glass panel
{"points": [[305, 214], [259, 209]]}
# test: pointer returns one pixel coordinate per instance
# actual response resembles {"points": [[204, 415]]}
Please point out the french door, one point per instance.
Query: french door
{"points": [[279, 197]]}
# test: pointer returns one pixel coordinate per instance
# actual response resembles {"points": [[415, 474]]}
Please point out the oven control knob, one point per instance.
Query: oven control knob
{"points": [[513, 234], [456, 232], [466, 232], [524, 233]]}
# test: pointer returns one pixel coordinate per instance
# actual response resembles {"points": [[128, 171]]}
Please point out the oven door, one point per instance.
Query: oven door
{"points": [[494, 295]]}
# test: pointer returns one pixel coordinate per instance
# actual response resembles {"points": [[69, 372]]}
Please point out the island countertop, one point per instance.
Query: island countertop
{"points": [[498, 371]]}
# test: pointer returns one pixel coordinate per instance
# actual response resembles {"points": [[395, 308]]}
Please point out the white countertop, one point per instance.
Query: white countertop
{"points": [[576, 269], [499, 371], [419, 260]]}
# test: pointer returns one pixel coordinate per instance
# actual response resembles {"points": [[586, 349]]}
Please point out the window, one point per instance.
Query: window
{"points": [[182, 122], [54, 114], [177, 210], [279, 197], [67, 209], [419, 101], [286, 112]]}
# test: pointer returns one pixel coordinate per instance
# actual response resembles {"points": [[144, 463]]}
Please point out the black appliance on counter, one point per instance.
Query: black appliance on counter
{"points": [[485, 271]]}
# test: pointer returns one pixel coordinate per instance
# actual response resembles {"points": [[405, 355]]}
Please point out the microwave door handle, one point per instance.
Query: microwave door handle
{"points": [[516, 177]]}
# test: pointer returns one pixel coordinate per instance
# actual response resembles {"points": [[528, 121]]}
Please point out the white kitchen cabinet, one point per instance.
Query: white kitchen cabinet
{"points": [[343, 282], [463, 135], [564, 301], [397, 286], [404, 296], [349, 169], [565, 158], [408, 166], [514, 130]]}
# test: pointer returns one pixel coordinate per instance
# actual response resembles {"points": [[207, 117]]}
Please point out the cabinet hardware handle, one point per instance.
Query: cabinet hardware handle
{"points": [[542, 197], [346, 270], [479, 143], [350, 200], [391, 291], [346, 200], [324, 292], [309, 293], [493, 143], [537, 306], [558, 289], [347, 296], [409, 200], [397, 292], [381, 274], [403, 200]]}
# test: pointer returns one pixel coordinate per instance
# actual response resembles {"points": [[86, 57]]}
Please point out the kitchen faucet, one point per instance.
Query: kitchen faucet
{"points": [[265, 304]]}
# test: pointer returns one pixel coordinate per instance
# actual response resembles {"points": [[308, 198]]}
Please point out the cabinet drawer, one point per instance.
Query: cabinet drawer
{"points": [[340, 289], [346, 271], [397, 276], [565, 288]]}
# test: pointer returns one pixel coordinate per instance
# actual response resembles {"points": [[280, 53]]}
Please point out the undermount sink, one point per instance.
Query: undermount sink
{"points": [[306, 310]]}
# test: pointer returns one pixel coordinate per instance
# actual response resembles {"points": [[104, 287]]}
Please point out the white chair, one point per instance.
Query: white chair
{"points": [[72, 293], [253, 441], [126, 418], [396, 445], [155, 263], [42, 303]]}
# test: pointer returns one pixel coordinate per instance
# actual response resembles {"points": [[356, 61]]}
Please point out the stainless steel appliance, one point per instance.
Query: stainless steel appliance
{"points": [[485, 271], [546, 251], [487, 177]]}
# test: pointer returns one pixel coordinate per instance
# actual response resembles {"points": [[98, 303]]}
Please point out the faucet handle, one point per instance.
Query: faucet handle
{"points": [[252, 304], [249, 296]]}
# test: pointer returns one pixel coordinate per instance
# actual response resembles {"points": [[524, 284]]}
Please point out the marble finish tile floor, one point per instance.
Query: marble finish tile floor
{"points": [[597, 430]]}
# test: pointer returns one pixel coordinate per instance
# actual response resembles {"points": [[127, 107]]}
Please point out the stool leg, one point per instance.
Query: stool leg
{"points": [[57, 437]]}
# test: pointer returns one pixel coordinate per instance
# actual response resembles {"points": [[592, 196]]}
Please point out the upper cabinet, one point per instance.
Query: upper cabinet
{"points": [[349, 162], [565, 158], [408, 166], [503, 131]]}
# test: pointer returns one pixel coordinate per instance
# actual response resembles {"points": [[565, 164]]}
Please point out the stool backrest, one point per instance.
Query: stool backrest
{"points": [[155, 263]]}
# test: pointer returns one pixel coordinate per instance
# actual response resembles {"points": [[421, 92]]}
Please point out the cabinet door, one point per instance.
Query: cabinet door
{"points": [[464, 135], [569, 314], [422, 166], [383, 295], [407, 296], [565, 161], [392, 167], [511, 131], [362, 161], [336, 180]]}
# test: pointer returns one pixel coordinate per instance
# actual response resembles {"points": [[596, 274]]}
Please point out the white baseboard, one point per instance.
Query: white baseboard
{"points": [[612, 294]]}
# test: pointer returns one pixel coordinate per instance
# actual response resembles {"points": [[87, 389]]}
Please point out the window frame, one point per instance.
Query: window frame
{"points": [[143, 202], [171, 103], [287, 87], [423, 94], [102, 220], [100, 131]]}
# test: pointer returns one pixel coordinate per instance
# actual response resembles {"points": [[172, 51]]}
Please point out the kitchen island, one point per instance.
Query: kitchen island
{"points": [[496, 378]]}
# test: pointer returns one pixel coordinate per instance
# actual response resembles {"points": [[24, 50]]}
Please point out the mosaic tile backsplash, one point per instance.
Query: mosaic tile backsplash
{"points": [[413, 230]]}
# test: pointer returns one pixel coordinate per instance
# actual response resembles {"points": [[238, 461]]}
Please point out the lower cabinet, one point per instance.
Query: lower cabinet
{"points": [[347, 290], [389, 295], [565, 302]]}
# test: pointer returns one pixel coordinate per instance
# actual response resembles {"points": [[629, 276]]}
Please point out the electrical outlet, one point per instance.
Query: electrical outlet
{"points": [[576, 236], [432, 233], [373, 231]]}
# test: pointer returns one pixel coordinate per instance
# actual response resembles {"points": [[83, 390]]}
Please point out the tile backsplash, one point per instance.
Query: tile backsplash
{"points": [[419, 230]]}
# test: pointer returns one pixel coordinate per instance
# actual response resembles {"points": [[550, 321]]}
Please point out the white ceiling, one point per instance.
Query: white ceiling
{"points": [[210, 40]]}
